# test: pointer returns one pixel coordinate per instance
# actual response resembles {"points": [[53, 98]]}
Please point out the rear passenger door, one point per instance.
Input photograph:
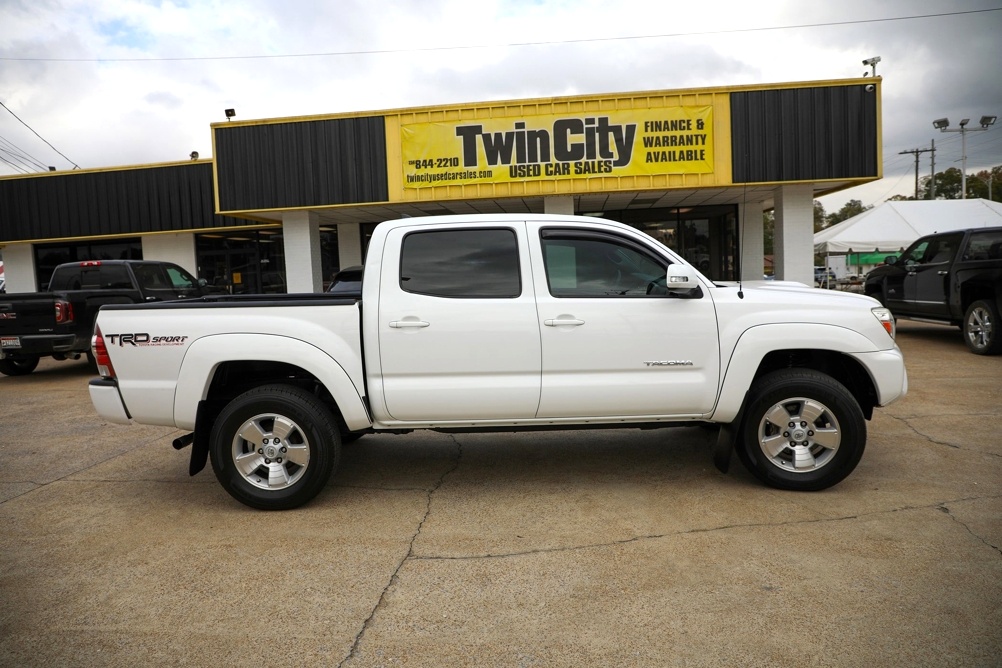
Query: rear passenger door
{"points": [[458, 338]]}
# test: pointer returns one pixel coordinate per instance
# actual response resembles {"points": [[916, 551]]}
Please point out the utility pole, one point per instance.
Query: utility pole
{"points": [[932, 177], [916, 152]]}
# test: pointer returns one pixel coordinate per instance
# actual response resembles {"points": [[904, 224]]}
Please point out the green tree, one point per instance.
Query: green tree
{"points": [[947, 184], [853, 207], [820, 220], [978, 184]]}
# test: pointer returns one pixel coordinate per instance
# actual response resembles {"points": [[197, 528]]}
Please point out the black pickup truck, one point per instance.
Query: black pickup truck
{"points": [[59, 323], [952, 278]]}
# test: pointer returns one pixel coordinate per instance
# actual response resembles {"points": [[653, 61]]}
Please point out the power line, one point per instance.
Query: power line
{"points": [[8, 147], [505, 45], [75, 165]]}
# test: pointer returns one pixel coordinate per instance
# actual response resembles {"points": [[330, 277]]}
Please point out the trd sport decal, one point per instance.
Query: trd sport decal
{"points": [[144, 339]]}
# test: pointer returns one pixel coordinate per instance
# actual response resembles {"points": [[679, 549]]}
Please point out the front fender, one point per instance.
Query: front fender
{"points": [[205, 355], [756, 342]]}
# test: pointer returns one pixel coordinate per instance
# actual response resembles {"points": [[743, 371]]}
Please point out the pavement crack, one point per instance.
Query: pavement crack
{"points": [[410, 556], [721, 528], [946, 510], [908, 424]]}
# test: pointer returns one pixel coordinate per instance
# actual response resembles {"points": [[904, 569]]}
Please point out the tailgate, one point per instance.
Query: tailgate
{"points": [[22, 315]]}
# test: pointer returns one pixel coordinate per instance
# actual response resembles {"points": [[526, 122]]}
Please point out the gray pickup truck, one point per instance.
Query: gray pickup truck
{"points": [[59, 323], [951, 278]]}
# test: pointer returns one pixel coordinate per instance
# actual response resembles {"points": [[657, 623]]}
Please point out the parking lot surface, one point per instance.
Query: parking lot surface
{"points": [[575, 548]]}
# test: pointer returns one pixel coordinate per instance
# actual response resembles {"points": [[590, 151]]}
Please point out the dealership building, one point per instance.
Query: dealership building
{"points": [[285, 203]]}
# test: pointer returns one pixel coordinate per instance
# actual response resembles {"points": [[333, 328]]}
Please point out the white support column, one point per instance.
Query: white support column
{"points": [[794, 238], [19, 268], [349, 244], [176, 248], [751, 240], [559, 204], [301, 231]]}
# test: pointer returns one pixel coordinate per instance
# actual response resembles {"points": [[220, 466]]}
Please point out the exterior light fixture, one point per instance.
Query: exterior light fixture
{"points": [[942, 124], [230, 113]]}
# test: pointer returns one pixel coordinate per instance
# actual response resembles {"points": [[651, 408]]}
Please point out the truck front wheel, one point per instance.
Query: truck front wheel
{"points": [[981, 328], [274, 447], [803, 430]]}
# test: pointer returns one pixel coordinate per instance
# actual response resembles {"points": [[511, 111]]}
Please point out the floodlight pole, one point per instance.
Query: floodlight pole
{"points": [[942, 125]]}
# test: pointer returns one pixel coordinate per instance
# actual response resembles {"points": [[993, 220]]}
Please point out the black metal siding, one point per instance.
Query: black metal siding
{"points": [[804, 134], [301, 164], [169, 198]]}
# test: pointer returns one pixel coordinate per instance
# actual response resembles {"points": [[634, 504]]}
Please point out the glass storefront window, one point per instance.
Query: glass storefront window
{"points": [[242, 262], [705, 236], [49, 256]]}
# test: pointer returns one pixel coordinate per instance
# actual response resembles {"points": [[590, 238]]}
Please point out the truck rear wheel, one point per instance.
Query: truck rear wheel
{"points": [[803, 430], [274, 447], [981, 328], [18, 366]]}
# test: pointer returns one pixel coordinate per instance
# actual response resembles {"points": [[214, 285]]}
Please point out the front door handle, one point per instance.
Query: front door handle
{"points": [[561, 322], [401, 324], [942, 273]]}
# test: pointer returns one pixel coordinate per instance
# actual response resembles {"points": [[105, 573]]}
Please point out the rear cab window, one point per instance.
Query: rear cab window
{"points": [[471, 263]]}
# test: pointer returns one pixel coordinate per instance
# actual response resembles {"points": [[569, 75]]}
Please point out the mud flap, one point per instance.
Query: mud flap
{"points": [[200, 445], [726, 439]]}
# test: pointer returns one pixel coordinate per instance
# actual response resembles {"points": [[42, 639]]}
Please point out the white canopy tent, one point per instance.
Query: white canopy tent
{"points": [[893, 226]]}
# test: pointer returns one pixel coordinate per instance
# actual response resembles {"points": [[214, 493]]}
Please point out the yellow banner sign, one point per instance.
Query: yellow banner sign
{"points": [[673, 140]]}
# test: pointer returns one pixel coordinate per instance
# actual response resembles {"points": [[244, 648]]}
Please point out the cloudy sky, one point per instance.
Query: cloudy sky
{"points": [[123, 82]]}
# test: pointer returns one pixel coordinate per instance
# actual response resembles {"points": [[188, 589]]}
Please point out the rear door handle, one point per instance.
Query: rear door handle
{"points": [[942, 273], [401, 324], [561, 322]]}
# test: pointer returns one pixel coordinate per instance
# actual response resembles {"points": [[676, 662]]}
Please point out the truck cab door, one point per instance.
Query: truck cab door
{"points": [[457, 332], [926, 283], [614, 341]]}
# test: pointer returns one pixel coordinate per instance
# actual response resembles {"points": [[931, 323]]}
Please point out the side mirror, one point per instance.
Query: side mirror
{"points": [[681, 278], [202, 282], [891, 259]]}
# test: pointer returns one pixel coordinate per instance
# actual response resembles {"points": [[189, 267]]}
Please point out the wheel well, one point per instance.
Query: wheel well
{"points": [[841, 367], [972, 291], [232, 379]]}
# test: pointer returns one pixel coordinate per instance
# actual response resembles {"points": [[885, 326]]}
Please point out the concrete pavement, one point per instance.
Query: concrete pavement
{"points": [[546, 549]]}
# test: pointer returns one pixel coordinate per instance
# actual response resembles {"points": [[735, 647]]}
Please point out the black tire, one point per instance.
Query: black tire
{"points": [[829, 431], [274, 447], [981, 328], [18, 366]]}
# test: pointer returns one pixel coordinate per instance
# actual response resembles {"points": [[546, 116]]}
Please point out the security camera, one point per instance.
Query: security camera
{"points": [[869, 88], [872, 61]]}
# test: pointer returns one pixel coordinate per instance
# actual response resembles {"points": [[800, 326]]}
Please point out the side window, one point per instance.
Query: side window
{"points": [[461, 263], [179, 278], [915, 254], [984, 246], [942, 249], [150, 276], [592, 266]]}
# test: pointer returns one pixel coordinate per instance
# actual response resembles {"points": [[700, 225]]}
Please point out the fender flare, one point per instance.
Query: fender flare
{"points": [[204, 356], [758, 341]]}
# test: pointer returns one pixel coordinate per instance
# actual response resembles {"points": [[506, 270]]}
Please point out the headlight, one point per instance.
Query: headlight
{"points": [[886, 319]]}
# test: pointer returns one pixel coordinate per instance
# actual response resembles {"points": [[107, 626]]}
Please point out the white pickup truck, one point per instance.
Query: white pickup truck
{"points": [[503, 323]]}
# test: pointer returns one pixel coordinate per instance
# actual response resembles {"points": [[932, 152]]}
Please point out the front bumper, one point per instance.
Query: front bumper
{"points": [[107, 401]]}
